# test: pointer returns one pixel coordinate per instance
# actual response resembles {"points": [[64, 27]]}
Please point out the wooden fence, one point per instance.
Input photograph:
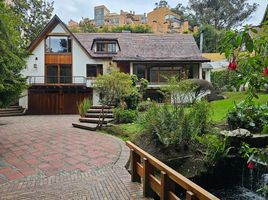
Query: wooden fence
{"points": [[144, 169]]}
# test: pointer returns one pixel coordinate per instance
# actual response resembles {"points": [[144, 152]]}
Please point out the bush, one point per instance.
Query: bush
{"points": [[216, 147], [225, 80], [174, 125], [144, 105], [83, 106], [123, 116], [249, 116]]}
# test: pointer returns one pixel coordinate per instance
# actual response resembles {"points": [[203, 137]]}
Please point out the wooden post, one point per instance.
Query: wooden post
{"points": [[134, 158], [167, 185], [147, 170], [190, 195]]}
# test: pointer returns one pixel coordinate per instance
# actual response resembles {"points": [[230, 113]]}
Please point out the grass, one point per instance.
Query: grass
{"points": [[219, 111], [222, 107]]}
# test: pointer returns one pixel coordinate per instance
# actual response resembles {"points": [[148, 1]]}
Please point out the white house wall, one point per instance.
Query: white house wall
{"points": [[35, 63]]}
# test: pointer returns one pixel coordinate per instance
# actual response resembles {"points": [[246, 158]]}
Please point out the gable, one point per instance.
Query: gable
{"points": [[54, 26], [59, 29]]}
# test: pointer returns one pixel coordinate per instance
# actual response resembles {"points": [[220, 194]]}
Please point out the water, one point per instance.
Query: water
{"points": [[237, 193], [251, 181]]}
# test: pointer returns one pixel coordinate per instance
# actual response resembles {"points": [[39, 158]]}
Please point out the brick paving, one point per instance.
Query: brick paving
{"points": [[44, 157]]}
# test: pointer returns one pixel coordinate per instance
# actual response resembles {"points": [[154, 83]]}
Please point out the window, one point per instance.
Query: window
{"points": [[58, 44], [105, 47], [111, 47], [56, 74], [100, 47], [94, 70], [140, 71]]}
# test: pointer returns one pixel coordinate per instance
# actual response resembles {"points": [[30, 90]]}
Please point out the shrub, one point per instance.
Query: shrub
{"points": [[124, 116], [174, 125], [225, 80], [144, 105], [83, 106], [216, 147], [249, 116]]}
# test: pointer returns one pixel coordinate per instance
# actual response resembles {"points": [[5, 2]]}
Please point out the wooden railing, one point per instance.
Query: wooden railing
{"points": [[144, 168]]}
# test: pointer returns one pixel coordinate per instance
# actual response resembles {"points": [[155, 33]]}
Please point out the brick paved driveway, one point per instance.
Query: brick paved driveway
{"points": [[45, 155]]}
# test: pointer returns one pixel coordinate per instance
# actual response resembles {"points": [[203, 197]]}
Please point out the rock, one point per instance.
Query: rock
{"points": [[239, 133]]}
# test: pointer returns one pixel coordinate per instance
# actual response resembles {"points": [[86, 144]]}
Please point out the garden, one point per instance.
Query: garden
{"points": [[215, 143]]}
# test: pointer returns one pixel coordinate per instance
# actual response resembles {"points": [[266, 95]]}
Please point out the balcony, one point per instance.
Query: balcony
{"points": [[55, 80]]}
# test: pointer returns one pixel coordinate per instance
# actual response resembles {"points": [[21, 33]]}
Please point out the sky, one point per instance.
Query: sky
{"points": [[76, 9]]}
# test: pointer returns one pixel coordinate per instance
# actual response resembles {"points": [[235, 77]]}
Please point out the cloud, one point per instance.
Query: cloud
{"points": [[76, 9]]}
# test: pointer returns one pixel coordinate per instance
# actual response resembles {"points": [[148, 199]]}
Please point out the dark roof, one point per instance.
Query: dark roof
{"points": [[146, 47], [265, 17]]}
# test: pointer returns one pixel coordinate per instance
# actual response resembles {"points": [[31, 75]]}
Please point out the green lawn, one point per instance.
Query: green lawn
{"points": [[219, 111], [221, 108]]}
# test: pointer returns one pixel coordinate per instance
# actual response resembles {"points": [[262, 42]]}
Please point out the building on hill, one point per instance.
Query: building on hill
{"points": [[104, 17], [63, 65], [163, 20], [73, 24], [99, 14]]}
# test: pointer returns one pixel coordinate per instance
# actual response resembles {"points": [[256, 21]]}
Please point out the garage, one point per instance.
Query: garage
{"points": [[56, 100]]}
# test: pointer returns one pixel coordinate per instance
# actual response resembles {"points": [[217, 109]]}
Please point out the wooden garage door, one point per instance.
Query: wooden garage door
{"points": [[55, 102]]}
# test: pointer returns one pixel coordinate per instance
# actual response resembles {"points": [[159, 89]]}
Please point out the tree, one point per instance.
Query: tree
{"points": [[221, 13], [211, 38], [86, 26], [34, 15], [12, 56], [114, 87], [247, 52]]}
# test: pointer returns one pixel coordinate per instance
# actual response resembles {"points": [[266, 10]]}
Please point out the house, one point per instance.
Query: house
{"points": [[163, 20], [63, 65]]}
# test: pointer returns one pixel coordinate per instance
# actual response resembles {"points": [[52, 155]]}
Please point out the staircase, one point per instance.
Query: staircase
{"points": [[93, 117], [12, 111]]}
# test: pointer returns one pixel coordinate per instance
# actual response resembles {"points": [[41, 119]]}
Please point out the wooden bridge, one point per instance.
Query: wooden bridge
{"points": [[158, 178]]}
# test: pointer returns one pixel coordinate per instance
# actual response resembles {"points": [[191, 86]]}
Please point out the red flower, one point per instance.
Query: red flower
{"points": [[232, 65], [265, 71], [250, 165]]}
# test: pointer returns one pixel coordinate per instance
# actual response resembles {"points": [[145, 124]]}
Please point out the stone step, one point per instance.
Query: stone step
{"points": [[11, 109], [100, 107], [97, 115], [86, 126], [94, 120], [9, 113], [99, 110]]}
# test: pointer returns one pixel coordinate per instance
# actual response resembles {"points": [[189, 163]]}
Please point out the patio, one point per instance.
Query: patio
{"points": [[44, 157]]}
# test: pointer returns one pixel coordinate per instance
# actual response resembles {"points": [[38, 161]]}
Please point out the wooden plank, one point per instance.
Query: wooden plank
{"points": [[155, 184], [58, 58], [147, 170], [172, 196], [189, 195], [134, 158], [178, 178], [140, 170]]}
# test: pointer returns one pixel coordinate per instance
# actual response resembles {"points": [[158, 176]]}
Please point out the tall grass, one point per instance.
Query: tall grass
{"points": [[83, 106]]}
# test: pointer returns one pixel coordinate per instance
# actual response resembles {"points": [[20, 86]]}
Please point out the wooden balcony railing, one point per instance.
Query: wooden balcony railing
{"points": [[144, 169]]}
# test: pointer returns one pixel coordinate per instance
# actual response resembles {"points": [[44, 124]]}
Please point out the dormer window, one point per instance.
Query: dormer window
{"points": [[105, 47]]}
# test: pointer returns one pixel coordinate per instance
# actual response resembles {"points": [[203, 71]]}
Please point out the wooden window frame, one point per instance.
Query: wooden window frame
{"points": [[59, 68]]}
